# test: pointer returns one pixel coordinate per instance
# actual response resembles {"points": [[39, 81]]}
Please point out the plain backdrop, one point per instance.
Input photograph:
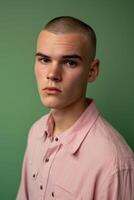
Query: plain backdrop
{"points": [[20, 107]]}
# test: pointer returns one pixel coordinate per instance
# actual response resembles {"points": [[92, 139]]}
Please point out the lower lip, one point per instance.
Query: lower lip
{"points": [[52, 91]]}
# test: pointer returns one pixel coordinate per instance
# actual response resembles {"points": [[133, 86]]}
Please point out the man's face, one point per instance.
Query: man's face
{"points": [[62, 68]]}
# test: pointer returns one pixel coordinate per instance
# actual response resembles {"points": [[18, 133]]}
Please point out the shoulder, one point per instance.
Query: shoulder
{"points": [[107, 147], [112, 137]]}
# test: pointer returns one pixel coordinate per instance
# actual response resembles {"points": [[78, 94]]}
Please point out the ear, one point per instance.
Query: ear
{"points": [[94, 70]]}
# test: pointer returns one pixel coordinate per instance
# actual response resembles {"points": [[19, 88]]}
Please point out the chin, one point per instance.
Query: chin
{"points": [[53, 104]]}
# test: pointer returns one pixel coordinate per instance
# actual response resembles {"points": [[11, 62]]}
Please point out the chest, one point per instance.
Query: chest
{"points": [[54, 173]]}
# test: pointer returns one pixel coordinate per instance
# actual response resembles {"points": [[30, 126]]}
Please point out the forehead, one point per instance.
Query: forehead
{"points": [[49, 42]]}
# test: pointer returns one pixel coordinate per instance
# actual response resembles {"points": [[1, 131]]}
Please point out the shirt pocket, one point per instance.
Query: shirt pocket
{"points": [[62, 193]]}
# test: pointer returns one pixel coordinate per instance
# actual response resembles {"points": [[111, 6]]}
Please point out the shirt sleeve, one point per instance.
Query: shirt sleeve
{"points": [[119, 186], [23, 187], [22, 192]]}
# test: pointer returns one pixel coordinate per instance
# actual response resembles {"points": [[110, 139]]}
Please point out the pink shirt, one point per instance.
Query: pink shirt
{"points": [[89, 161]]}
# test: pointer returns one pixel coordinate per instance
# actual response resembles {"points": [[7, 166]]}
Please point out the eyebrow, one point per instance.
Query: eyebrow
{"points": [[72, 56], [42, 55], [75, 56]]}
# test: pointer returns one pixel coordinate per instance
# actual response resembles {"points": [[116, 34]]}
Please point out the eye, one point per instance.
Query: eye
{"points": [[43, 60], [70, 63]]}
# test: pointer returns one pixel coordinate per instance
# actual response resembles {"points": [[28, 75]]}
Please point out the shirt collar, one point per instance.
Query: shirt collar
{"points": [[75, 135]]}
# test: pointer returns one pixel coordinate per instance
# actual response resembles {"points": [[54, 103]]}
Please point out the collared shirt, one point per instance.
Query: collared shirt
{"points": [[89, 161]]}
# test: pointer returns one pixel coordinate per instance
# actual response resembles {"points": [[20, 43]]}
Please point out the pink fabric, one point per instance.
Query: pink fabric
{"points": [[89, 161]]}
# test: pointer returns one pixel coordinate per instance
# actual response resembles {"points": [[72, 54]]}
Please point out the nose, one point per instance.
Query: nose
{"points": [[55, 73]]}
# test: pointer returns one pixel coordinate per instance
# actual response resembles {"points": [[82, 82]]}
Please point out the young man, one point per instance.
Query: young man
{"points": [[73, 153]]}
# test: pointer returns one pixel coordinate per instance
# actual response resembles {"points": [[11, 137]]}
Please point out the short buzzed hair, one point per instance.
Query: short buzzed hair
{"points": [[68, 24]]}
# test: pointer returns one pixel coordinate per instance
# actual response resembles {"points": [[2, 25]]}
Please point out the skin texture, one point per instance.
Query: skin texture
{"points": [[63, 62]]}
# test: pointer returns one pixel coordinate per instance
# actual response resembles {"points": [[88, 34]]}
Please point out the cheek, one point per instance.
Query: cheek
{"points": [[77, 79], [38, 72]]}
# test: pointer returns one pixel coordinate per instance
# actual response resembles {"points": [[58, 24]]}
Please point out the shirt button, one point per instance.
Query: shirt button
{"points": [[46, 132], [47, 159], [34, 175], [41, 187], [56, 139], [52, 194]]}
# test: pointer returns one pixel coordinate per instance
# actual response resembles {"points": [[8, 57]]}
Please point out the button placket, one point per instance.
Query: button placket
{"points": [[51, 151], [47, 167]]}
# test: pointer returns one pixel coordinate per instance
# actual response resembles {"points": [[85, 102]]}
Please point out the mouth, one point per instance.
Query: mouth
{"points": [[52, 90]]}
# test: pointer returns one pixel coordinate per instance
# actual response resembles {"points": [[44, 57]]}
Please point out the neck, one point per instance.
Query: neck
{"points": [[66, 117]]}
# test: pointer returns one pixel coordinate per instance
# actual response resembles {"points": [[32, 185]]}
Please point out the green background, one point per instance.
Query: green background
{"points": [[20, 22]]}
